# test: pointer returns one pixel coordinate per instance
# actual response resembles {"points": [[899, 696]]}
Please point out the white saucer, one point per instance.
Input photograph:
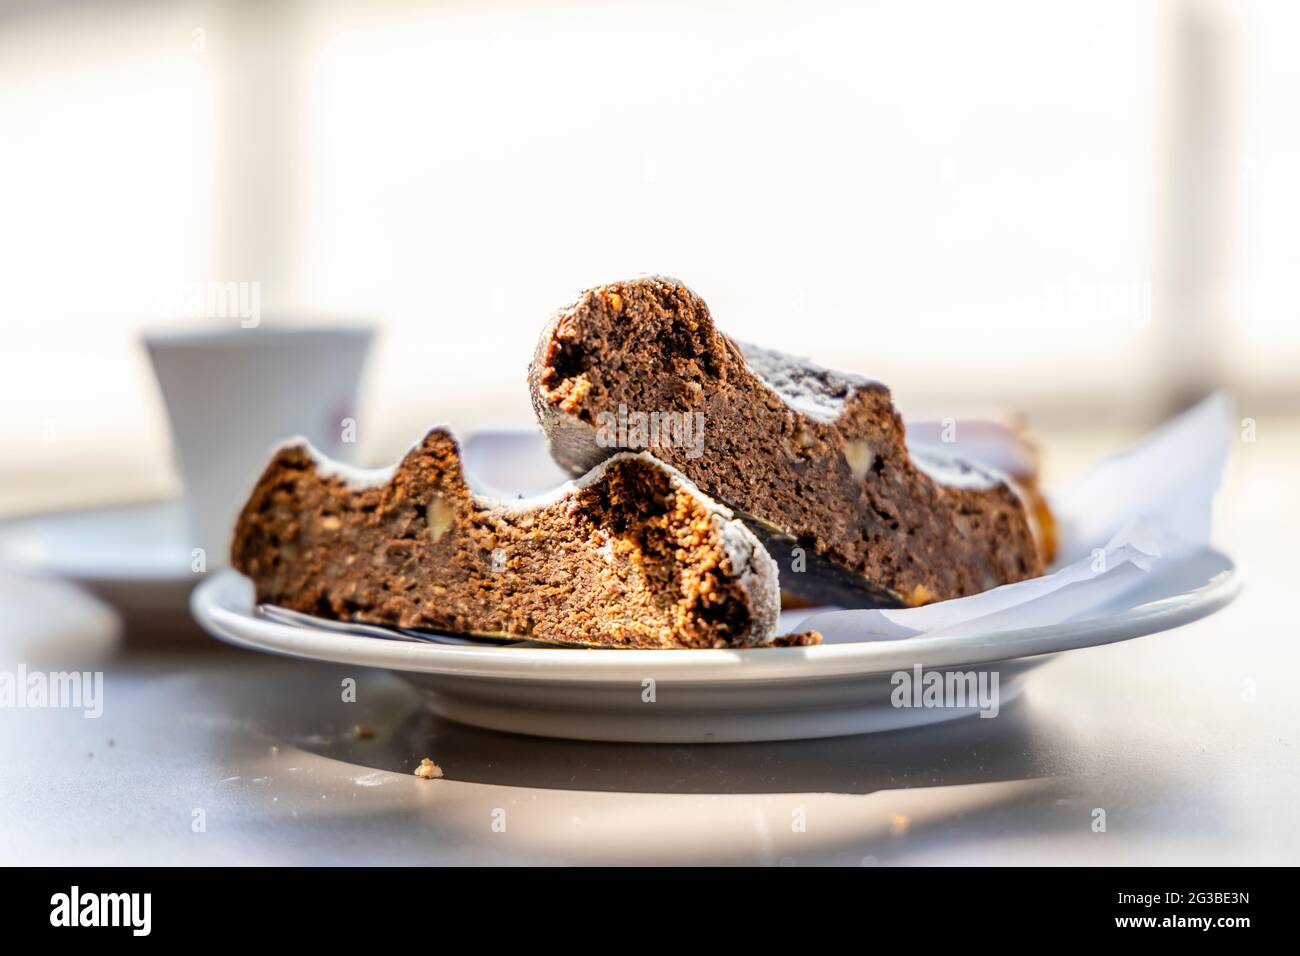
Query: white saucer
{"points": [[136, 557], [711, 695], [140, 542], [52, 624]]}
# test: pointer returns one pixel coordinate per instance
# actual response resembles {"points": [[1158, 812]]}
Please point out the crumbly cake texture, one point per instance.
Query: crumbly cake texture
{"points": [[813, 459], [800, 639], [631, 555]]}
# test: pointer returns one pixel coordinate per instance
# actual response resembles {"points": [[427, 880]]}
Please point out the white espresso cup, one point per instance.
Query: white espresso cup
{"points": [[233, 395]]}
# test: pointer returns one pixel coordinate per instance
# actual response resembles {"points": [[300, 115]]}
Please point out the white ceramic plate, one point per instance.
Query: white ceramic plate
{"points": [[711, 695]]}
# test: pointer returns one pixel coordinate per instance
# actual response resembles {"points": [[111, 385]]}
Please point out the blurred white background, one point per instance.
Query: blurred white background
{"points": [[1083, 211], [1086, 212]]}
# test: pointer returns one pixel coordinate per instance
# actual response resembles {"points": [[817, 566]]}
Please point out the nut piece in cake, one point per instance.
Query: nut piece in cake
{"points": [[814, 460], [631, 555]]}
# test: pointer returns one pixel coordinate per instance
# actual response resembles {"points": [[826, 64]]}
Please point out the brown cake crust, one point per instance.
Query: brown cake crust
{"points": [[630, 556], [815, 460]]}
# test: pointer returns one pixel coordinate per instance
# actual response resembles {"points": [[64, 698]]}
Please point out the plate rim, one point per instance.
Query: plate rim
{"points": [[211, 604]]}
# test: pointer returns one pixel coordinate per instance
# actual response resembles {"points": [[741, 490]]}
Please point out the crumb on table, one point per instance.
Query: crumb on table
{"points": [[428, 770]]}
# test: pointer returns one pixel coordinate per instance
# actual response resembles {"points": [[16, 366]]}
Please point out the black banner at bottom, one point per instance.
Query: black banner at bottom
{"points": [[333, 905]]}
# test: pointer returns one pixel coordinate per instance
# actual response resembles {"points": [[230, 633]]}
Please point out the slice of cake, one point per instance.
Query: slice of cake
{"points": [[1002, 443], [814, 460], [630, 555]]}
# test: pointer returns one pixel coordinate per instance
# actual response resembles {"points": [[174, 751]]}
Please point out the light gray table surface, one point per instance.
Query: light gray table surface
{"points": [[1189, 765], [1187, 740]]}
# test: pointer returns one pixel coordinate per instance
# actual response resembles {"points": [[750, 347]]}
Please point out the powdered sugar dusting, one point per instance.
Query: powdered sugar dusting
{"points": [[956, 472], [351, 476], [817, 392]]}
